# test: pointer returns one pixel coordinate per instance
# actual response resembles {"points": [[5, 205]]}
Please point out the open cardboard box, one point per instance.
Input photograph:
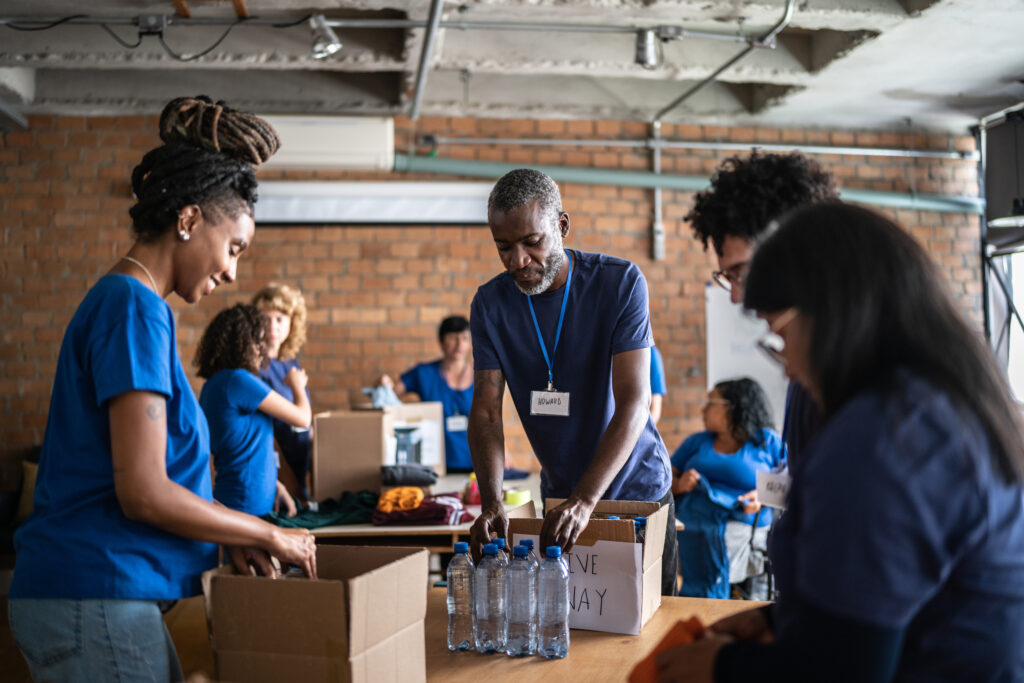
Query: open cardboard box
{"points": [[350, 446], [614, 582], [361, 621]]}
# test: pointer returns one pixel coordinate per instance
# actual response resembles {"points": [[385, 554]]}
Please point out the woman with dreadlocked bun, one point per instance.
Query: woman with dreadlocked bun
{"points": [[124, 519]]}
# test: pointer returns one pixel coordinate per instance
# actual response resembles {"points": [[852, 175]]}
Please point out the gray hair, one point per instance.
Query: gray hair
{"points": [[520, 187]]}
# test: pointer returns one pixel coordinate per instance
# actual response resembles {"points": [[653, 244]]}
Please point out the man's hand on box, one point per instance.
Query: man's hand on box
{"points": [[563, 525], [492, 522], [247, 559], [296, 546]]}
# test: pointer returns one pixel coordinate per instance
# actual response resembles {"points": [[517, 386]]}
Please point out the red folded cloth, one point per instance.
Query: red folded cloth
{"points": [[440, 510]]}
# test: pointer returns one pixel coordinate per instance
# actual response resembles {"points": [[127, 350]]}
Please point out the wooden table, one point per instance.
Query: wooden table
{"points": [[593, 655]]}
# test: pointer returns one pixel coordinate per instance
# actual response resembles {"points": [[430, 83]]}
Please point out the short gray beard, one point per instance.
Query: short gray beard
{"points": [[552, 264]]}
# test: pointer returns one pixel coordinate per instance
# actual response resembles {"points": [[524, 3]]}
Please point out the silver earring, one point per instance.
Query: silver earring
{"points": [[184, 236]]}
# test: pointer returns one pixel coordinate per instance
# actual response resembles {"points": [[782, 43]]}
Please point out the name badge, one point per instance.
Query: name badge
{"points": [[549, 403], [456, 423], [773, 488]]}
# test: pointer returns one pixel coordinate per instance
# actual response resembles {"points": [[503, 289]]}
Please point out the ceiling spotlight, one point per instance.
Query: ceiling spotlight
{"points": [[648, 49], [325, 41]]}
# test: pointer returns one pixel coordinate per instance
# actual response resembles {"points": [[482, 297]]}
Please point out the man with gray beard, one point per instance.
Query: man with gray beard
{"points": [[569, 333]]}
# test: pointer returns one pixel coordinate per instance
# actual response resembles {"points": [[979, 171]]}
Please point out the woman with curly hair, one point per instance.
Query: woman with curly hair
{"points": [[124, 519], [286, 309], [715, 479], [240, 406]]}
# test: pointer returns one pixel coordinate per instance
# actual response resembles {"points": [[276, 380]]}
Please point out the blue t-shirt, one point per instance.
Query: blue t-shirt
{"points": [[657, 372], [78, 543], [241, 438], [293, 441], [897, 519], [425, 379], [606, 315], [730, 475]]}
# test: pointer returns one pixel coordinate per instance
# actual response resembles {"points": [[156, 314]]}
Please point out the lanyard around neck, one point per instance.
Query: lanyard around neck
{"points": [[558, 331]]}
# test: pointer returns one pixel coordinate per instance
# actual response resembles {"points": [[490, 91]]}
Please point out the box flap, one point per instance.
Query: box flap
{"points": [[387, 590], [656, 523], [527, 510]]}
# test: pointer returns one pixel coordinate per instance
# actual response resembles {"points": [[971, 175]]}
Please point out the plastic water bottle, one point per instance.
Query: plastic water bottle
{"points": [[490, 598], [532, 556], [522, 605], [460, 599], [553, 605], [640, 526], [500, 543]]}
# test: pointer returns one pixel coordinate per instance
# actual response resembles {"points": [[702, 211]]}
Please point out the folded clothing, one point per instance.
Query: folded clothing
{"points": [[349, 508], [440, 510], [407, 475], [402, 498]]}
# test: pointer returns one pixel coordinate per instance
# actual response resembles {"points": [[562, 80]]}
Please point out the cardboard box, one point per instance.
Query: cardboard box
{"points": [[614, 582], [349, 446], [360, 621]]}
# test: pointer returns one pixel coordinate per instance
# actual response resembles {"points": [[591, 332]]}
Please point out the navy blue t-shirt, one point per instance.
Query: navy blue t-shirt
{"points": [[898, 519], [425, 380], [606, 314], [293, 441], [241, 438], [78, 543]]}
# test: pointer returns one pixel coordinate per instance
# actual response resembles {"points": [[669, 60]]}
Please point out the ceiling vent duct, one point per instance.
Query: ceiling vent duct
{"points": [[332, 142]]}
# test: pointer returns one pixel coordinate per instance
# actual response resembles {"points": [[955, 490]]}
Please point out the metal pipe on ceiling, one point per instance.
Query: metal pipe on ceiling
{"points": [[597, 176], [661, 143], [428, 49], [767, 40]]}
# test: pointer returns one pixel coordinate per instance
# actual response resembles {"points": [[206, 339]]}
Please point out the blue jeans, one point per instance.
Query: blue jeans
{"points": [[94, 640]]}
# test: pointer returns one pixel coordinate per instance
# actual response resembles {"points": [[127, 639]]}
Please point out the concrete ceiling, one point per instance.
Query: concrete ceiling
{"points": [[868, 64]]}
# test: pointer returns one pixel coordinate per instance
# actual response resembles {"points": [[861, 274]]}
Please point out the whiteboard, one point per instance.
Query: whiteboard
{"points": [[732, 351]]}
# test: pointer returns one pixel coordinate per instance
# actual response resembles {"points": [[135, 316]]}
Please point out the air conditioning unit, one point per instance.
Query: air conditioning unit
{"points": [[332, 142]]}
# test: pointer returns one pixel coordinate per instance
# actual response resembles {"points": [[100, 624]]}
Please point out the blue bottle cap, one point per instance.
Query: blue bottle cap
{"points": [[640, 522], [500, 542], [461, 547], [490, 549], [520, 551], [527, 542], [553, 551], [612, 517]]}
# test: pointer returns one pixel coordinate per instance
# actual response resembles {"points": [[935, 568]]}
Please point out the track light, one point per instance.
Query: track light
{"points": [[325, 41], [648, 49]]}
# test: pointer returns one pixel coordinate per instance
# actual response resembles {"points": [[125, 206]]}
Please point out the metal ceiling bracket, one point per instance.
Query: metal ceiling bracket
{"points": [[428, 48]]}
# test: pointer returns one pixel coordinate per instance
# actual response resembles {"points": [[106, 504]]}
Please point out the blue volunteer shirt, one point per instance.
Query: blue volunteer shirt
{"points": [[730, 475], [78, 543], [294, 442], [425, 379], [241, 438], [657, 372], [897, 519], [606, 314]]}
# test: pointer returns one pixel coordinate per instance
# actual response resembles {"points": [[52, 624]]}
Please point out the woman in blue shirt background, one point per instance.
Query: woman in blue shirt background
{"points": [[123, 516], [714, 480], [239, 407], [286, 308], [901, 552], [450, 381]]}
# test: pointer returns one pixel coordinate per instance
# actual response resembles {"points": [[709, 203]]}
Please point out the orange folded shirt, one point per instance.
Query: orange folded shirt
{"points": [[401, 498], [646, 670]]}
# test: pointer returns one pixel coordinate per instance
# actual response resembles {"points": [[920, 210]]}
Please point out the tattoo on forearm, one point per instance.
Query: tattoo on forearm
{"points": [[155, 410]]}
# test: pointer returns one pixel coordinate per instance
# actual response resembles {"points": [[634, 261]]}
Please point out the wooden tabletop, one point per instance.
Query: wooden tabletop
{"points": [[593, 655]]}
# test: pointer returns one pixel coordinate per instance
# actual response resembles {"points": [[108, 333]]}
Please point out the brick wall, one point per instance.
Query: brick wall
{"points": [[376, 294]]}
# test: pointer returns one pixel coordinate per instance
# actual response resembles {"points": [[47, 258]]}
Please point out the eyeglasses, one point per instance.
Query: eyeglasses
{"points": [[771, 343], [733, 276]]}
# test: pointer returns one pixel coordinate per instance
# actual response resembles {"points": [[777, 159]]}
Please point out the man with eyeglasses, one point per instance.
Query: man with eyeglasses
{"points": [[746, 196]]}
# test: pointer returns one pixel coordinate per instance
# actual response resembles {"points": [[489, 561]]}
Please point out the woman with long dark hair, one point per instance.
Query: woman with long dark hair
{"points": [[123, 517], [714, 479], [901, 553]]}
